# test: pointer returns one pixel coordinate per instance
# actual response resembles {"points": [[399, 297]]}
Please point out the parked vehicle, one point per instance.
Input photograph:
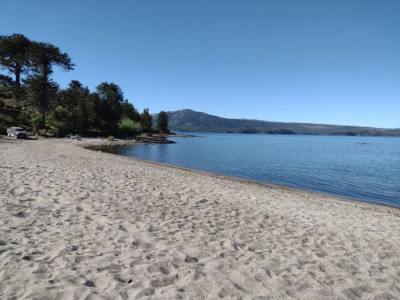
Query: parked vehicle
{"points": [[17, 132]]}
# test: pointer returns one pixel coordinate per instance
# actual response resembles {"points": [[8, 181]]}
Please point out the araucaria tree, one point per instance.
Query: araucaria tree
{"points": [[14, 54], [162, 122], [43, 57]]}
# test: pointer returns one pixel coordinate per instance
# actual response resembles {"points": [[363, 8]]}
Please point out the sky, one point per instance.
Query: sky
{"points": [[317, 61]]}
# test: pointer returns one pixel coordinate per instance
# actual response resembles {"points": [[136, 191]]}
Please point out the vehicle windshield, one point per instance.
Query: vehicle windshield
{"points": [[18, 129]]}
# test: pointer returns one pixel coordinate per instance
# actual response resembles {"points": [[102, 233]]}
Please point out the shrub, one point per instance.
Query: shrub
{"points": [[129, 127], [35, 119], [5, 120], [48, 133]]}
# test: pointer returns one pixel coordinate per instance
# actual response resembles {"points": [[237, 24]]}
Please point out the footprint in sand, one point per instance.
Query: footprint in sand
{"points": [[20, 214]]}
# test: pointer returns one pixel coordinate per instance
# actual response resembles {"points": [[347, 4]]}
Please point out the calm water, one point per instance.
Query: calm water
{"points": [[366, 168]]}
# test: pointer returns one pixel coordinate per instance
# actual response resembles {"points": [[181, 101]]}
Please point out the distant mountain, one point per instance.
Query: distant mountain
{"points": [[190, 120]]}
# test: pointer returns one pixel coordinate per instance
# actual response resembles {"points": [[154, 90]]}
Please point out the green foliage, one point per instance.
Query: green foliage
{"points": [[43, 56], [146, 121], [128, 127], [129, 111], [5, 118], [35, 122], [41, 92], [15, 54], [61, 121], [40, 106], [73, 109], [49, 133], [12, 110], [162, 122], [110, 100]]}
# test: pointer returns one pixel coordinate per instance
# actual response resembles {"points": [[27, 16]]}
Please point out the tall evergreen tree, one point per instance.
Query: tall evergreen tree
{"points": [[110, 99], [14, 54], [74, 107], [40, 92], [43, 57], [129, 111], [146, 120], [162, 122]]}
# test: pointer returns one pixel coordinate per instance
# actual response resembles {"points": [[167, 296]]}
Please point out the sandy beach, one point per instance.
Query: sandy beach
{"points": [[80, 224]]}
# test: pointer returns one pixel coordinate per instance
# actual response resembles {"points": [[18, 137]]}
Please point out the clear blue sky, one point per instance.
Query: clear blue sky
{"points": [[307, 61]]}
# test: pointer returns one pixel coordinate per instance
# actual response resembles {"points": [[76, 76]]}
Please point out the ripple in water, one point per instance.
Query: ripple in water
{"points": [[365, 168]]}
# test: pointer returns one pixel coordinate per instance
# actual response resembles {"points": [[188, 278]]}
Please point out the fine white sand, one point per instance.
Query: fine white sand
{"points": [[79, 224]]}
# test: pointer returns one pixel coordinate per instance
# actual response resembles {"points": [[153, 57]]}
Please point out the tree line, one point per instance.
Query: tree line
{"points": [[29, 97]]}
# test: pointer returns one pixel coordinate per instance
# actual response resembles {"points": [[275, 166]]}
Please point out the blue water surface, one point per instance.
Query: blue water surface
{"points": [[364, 168]]}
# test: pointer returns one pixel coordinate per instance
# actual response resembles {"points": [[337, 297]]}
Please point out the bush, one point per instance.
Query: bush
{"points": [[3, 128], [5, 121], [35, 120], [48, 133], [129, 127]]}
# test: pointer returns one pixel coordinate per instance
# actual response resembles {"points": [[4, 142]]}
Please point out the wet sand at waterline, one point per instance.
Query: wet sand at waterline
{"points": [[80, 224]]}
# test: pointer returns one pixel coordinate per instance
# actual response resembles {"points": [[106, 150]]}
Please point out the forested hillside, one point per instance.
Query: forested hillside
{"points": [[189, 120]]}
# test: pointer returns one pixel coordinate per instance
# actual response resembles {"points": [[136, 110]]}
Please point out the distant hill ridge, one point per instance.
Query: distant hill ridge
{"points": [[190, 120]]}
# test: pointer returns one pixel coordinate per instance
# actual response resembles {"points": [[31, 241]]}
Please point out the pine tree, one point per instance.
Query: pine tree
{"points": [[162, 122], [146, 120]]}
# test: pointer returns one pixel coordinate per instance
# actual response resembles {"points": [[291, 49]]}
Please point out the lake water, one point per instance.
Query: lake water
{"points": [[365, 168]]}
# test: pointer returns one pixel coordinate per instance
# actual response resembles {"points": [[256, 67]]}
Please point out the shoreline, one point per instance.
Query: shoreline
{"points": [[240, 179], [77, 223]]}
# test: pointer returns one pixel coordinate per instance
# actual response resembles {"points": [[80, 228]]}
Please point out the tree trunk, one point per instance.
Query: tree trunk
{"points": [[44, 100], [18, 75], [43, 122]]}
